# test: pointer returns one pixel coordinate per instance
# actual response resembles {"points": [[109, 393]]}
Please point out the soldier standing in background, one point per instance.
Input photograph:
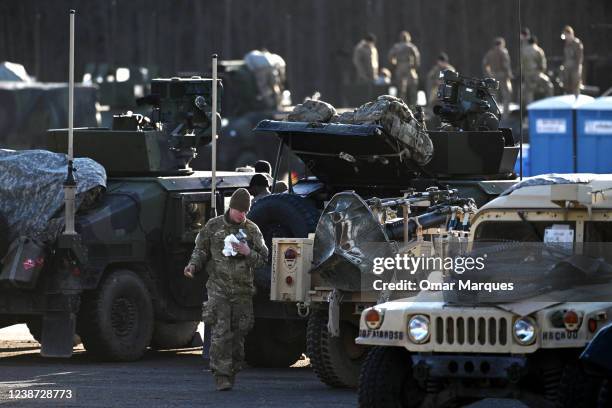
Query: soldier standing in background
{"points": [[536, 84], [406, 58], [573, 54], [433, 77], [230, 288], [496, 64], [365, 59]]}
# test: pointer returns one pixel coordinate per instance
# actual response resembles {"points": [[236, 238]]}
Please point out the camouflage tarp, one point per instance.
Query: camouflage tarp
{"points": [[388, 111], [28, 109], [31, 189]]}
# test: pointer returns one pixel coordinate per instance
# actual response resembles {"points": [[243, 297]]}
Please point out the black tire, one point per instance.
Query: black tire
{"points": [[576, 388], [386, 380], [173, 335], [116, 320], [335, 360], [281, 215], [4, 237], [275, 343]]}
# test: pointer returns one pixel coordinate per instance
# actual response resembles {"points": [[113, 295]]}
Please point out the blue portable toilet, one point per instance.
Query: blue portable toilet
{"points": [[552, 136], [595, 136]]}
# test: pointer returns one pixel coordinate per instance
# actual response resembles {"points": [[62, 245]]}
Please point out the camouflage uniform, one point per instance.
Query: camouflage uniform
{"points": [[572, 66], [365, 59], [496, 64], [407, 59], [229, 308], [536, 82]]}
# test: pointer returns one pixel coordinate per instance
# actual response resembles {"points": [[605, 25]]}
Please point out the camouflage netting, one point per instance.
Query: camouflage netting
{"points": [[31, 190], [390, 112]]}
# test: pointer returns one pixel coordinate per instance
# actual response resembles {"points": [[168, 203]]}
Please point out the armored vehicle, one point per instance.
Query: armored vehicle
{"points": [[121, 287], [513, 328], [475, 162]]}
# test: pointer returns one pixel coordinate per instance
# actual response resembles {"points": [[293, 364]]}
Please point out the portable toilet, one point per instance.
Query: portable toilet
{"points": [[552, 134], [595, 136]]}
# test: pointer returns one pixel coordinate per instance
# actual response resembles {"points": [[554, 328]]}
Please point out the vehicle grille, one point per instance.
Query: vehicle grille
{"points": [[472, 331]]}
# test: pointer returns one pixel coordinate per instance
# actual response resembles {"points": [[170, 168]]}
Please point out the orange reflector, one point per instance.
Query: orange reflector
{"points": [[372, 316], [289, 280], [571, 320], [592, 325]]}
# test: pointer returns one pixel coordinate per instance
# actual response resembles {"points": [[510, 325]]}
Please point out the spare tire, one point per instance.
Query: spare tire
{"points": [[281, 215]]}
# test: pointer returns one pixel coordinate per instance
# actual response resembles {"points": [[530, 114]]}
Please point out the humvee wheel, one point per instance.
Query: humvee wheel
{"points": [[173, 335], [386, 380], [335, 360], [275, 343], [116, 319], [576, 388]]}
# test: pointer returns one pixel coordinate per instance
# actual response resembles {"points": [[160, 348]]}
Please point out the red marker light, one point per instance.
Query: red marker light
{"points": [[289, 280], [592, 325], [571, 320], [373, 318]]}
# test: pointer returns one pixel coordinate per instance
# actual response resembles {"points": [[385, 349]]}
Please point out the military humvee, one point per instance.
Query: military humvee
{"points": [[547, 247], [121, 288]]}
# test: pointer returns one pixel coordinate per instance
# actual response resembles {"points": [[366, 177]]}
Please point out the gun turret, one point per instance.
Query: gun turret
{"points": [[165, 142], [467, 103]]}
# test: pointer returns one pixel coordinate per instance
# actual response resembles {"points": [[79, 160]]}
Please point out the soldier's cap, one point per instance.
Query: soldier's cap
{"points": [[280, 187], [443, 57], [241, 200], [526, 32], [405, 36], [259, 180], [499, 41], [263, 166], [370, 37]]}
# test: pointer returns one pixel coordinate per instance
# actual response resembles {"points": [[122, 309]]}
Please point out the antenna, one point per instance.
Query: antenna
{"points": [[213, 200], [520, 94], [70, 183]]}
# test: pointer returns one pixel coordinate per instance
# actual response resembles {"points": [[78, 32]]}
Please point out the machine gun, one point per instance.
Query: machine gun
{"points": [[163, 143], [467, 103]]}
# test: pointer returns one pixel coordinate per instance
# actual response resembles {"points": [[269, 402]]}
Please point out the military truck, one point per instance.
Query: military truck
{"points": [[547, 247], [121, 287], [470, 155]]}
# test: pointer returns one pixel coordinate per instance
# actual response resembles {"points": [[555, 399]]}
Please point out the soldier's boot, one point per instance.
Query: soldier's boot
{"points": [[223, 383]]}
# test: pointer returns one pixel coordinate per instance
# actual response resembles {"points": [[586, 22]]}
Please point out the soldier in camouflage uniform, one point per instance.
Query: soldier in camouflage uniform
{"points": [[573, 54], [536, 83], [365, 59], [406, 58], [496, 64], [229, 308]]}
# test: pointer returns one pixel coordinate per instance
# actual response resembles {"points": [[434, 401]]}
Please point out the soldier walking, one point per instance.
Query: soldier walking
{"points": [[230, 288], [405, 56], [496, 64], [573, 55], [365, 59]]}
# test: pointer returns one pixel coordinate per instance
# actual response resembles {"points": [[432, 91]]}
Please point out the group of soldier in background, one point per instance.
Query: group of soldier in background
{"points": [[405, 59]]}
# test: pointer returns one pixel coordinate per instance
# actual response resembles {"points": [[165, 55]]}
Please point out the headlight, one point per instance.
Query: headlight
{"points": [[524, 331], [373, 318], [418, 329]]}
